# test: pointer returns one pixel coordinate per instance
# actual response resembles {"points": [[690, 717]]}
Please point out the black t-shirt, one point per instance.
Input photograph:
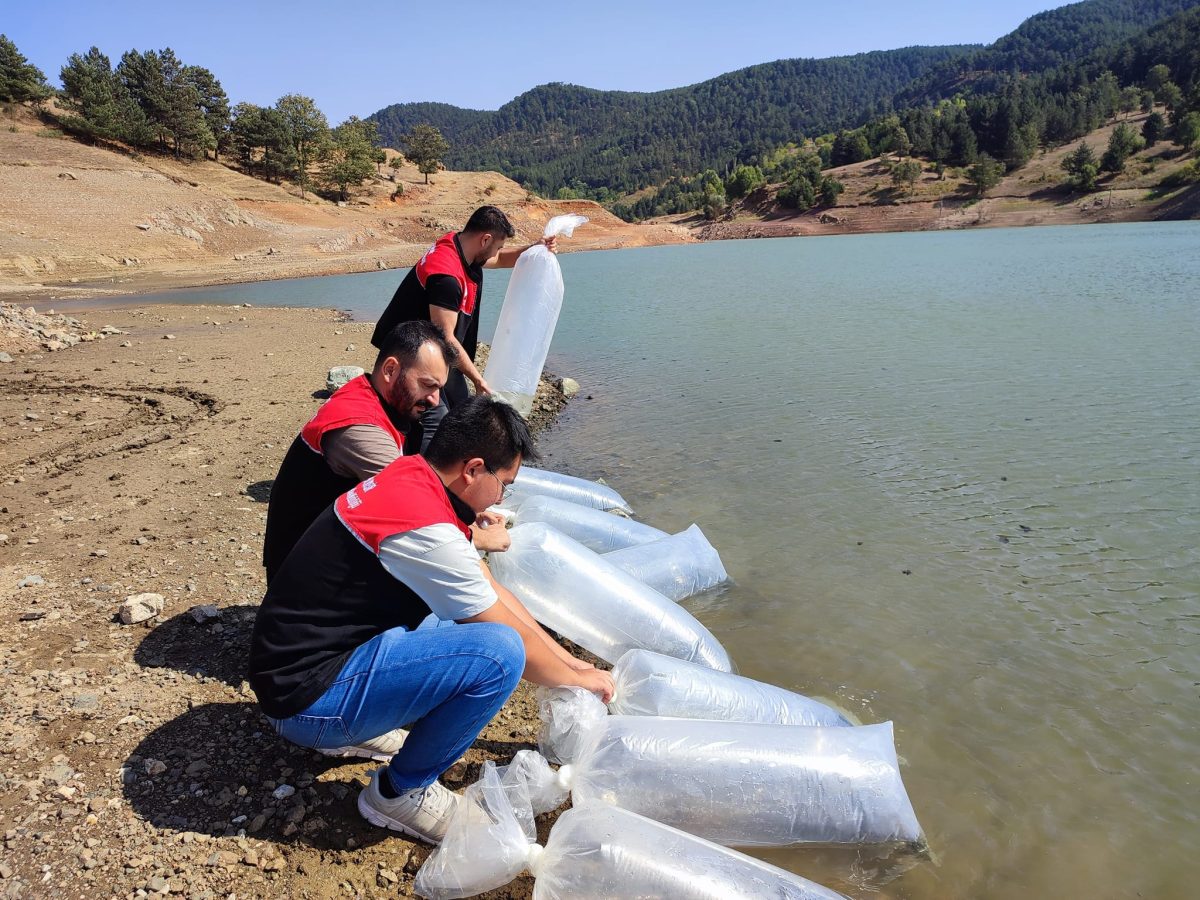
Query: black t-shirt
{"points": [[411, 301]]}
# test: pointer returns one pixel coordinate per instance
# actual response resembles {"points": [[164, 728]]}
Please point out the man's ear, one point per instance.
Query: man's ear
{"points": [[390, 368], [474, 467]]}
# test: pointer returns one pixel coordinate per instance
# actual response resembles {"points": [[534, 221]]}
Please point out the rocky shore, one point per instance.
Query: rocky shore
{"points": [[134, 474]]}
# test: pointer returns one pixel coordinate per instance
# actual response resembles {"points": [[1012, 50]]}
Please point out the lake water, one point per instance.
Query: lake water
{"points": [[955, 478]]}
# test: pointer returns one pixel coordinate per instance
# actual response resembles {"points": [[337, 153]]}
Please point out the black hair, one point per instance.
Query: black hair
{"points": [[490, 219], [483, 427], [405, 341]]}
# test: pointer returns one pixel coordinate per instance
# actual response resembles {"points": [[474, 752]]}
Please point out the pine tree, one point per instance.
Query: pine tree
{"points": [[425, 147], [20, 80]]}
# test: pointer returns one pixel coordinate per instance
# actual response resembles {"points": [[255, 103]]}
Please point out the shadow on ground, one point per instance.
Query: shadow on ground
{"points": [[214, 649]]}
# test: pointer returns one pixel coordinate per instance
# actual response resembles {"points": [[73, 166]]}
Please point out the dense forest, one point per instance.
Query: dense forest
{"points": [[571, 141]]}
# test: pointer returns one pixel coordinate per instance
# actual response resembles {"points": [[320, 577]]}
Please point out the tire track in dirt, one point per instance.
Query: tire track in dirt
{"points": [[154, 414]]}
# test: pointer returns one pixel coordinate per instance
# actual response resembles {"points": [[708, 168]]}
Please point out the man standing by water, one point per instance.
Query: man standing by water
{"points": [[445, 287], [336, 659], [358, 432]]}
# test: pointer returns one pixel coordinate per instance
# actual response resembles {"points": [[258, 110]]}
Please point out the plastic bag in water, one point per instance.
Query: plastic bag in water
{"points": [[595, 529], [676, 566], [573, 591], [739, 783], [527, 319], [530, 482], [594, 851], [650, 684]]}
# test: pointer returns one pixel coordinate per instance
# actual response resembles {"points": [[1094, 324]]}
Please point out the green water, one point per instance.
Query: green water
{"points": [[955, 478]]}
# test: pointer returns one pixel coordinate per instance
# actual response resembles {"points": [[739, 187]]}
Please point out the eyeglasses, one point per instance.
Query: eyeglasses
{"points": [[505, 489]]}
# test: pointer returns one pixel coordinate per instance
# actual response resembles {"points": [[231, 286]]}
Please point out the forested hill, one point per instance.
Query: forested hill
{"points": [[558, 134], [603, 143], [1042, 42]]}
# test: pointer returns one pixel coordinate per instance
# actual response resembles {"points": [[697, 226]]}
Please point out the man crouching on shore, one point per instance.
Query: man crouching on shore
{"points": [[335, 659]]}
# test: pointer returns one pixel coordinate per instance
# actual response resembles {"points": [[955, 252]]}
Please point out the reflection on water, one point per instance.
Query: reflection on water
{"points": [[954, 477]]}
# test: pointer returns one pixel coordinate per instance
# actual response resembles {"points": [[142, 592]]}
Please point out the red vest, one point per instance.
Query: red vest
{"points": [[405, 496], [354, 403], [443, 258]]}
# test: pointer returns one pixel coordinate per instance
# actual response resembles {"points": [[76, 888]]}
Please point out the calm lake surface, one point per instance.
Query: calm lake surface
{"points": [[955, 478]]}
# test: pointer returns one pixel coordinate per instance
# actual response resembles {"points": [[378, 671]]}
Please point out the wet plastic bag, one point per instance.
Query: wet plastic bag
{"points": [[527, 319], [650, 684], [737, 783], [595, 529], [572, 590], [594, 851], [530, 482], [677, 565]]}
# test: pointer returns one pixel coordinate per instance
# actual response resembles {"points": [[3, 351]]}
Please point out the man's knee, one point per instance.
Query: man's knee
{"points": [[504, 647]]}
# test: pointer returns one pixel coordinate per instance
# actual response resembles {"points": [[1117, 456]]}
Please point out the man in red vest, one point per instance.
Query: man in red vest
{"points": [[446, 287], [336, 657], [358, 431]]}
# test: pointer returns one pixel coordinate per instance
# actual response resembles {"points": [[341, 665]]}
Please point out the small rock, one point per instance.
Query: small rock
{"points": [[140, 607], [4, 357], [126, 343], [250, 858], [350, 348], [155, 767], [204, 613], [32, 616], [111, 329], [168, 337], [569, 387], [31, 581], [158, 884], [339, 375], [283, 792]]}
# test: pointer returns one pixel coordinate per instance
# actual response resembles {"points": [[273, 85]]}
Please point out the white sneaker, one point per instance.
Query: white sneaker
{"points": [[380, 749], [423, 813]]}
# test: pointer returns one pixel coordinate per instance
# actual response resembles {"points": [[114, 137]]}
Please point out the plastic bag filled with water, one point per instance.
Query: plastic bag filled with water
{"points": [[739, 783], [532, 482], [527, 319], [595, 529], [573, 591], [650, 684], [594, 851], [677, 565]]}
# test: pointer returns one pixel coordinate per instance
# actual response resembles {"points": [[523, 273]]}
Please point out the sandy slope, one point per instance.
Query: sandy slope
{"points": [[73, 214]]}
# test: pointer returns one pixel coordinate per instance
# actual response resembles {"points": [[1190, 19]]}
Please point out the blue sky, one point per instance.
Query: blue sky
{"points": [[355, 58]]}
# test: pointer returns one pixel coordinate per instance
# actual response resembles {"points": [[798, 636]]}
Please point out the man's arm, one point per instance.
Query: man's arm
{"points": [[440, 566], [507, 258], [447, 320], [542, 665], [359, 451], [518, 609]]}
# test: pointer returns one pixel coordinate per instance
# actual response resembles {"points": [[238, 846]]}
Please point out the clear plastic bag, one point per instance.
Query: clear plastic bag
{"points": [[650, 684], [532, 482], [573, 591], [737, 783], [594, 851], [527, 320], [677, 565], [595, 529]]}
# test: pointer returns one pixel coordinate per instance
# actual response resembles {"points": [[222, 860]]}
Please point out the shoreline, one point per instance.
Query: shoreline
{"points": [[146, 468]]}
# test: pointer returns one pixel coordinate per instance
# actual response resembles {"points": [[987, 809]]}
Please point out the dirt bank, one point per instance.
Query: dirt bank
{"points": [[80, 220], [134, 760]]}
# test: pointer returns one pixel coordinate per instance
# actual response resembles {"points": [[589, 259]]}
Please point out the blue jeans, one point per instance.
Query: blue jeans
{"points": [[445, 684]]}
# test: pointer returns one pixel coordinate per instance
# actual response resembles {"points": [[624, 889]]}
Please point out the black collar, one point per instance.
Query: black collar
{"points": [[474, 270], [465, 514]]}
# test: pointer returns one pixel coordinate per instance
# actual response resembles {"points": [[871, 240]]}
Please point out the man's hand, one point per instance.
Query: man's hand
{"points": [[492, 539], [551, 243], [488, 518], [597, 681], [481, 386]]}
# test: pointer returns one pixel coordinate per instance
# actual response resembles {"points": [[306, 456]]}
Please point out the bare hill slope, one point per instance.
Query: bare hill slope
{"points": [[73, 214]]}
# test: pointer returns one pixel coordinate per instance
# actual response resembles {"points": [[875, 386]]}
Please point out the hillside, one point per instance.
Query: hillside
{"points": [[1045, 41], [558, 134], [1032, 195], [598, 143], [81, 215]]}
